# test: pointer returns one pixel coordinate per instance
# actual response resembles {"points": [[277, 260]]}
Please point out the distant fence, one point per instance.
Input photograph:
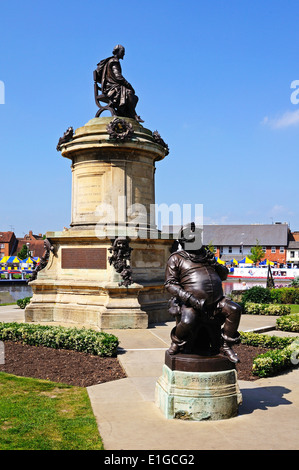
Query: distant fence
{"points": [[9, 275]]}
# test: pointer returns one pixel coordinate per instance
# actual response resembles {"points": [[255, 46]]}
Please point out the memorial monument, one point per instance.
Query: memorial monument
{"points": [[199, 380], [106, 269]]}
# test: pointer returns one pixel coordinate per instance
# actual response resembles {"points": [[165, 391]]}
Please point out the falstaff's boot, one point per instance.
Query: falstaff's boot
{"points": [[227, 347], [230, 335], [176, 344]]}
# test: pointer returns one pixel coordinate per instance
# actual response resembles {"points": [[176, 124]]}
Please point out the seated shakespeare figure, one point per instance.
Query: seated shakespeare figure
{"points": [[119, 92], [206, 321]]}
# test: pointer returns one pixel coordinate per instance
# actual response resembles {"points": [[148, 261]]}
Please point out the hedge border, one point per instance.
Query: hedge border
{"points": [[252, 308], [93, 342], [283, 353]]}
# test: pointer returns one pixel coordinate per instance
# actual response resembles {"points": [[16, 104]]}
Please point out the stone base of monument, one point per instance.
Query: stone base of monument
{"points": [[79, 285], [198, 388]]}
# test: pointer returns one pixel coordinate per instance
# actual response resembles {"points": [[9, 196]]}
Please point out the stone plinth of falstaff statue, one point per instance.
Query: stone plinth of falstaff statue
{"points": [[199, 379]]}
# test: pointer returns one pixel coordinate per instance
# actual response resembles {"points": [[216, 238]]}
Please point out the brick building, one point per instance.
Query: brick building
{"points": [[8, 243], [293, 249], [35, 244]]}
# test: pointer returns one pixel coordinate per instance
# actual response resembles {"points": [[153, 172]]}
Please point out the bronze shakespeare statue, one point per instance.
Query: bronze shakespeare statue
{"points": [[206, 321], [116, 90]]}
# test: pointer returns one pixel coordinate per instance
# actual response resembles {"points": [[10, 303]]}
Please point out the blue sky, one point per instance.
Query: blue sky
{"points": [[213, 77]]}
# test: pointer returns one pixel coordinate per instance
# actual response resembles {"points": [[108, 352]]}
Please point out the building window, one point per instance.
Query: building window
{"points": [[264, 249], [273, 249], [230, 249], [292, 254], [1, 245], [221, 250], [281, 249]]}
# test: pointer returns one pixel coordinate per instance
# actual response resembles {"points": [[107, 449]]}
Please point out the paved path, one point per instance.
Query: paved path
{"points": [[128, 418]]}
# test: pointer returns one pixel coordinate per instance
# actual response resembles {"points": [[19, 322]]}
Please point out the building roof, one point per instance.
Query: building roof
{"points": [[35, 246], [293, 245], [6, 237], [294, 236], [233, 235]]}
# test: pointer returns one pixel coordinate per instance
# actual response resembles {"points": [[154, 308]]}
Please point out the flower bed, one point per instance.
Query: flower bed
{"points": [[58, 337], [252, 308], [283, 353]]}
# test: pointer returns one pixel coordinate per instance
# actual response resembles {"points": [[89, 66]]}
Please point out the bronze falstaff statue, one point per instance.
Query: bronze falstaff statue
{"points": [[117, 92], [207, 321]]}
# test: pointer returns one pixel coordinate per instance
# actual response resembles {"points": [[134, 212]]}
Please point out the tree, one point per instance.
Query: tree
{"points": [[257, 253], [24, 253], [211, 247]]}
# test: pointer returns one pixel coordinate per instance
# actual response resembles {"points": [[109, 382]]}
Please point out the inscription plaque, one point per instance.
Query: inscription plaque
{"points": [[84, 258]]}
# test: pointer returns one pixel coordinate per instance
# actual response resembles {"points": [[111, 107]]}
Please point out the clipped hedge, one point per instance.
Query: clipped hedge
{"points": [[257, 294], [277, 360], [90, 341], [23, 302], [265, 295], [285, 295], [266, 341], [284, 356], [252, 308], [289, 323]]}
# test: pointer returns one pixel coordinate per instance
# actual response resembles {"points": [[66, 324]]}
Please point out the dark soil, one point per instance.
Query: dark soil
{"points": [[246, 355], [82, 369], [59, 365]]}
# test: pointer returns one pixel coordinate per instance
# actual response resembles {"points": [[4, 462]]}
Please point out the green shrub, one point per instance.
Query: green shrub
{"points": [[283, 353], [258, 295], [86, 340], [23, 302], [288, 323], [266, 309], [285, 295], [266, 341], [277, 360], [295, 282], [271, 362]]}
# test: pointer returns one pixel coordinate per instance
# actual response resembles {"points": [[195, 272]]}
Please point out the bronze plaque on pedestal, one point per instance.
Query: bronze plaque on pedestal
{"points": [[83, 258]]}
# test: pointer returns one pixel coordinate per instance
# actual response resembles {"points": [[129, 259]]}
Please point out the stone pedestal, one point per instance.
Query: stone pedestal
{"points": [[112, 196], [198, 388]]}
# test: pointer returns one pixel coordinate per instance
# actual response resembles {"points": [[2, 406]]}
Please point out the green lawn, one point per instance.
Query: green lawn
{"points": [[294, 308], [43, 415]]}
